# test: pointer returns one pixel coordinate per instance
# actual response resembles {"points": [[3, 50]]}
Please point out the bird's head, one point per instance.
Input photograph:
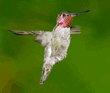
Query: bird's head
{"points": [[65, 18]]}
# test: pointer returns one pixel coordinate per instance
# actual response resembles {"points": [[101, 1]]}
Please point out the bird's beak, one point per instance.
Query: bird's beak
{"points": [[74, 14]]}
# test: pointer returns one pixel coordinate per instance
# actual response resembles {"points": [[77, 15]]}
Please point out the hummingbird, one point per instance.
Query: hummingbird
{"points": [[56, 42]]}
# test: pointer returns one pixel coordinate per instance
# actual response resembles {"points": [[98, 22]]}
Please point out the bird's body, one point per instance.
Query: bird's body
{"points": [[60, 42], [56, 50], [56, 43]]}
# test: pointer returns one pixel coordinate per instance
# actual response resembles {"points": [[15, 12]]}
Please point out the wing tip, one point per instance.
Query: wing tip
{"points": [[10, 30]]}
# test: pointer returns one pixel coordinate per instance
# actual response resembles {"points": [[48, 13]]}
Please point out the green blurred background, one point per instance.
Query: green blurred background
{"points": [[87, 66]]}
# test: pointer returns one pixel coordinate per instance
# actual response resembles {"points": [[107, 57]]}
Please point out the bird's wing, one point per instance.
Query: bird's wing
{"points": [[44, 38], [75, 30], [34, 33]]}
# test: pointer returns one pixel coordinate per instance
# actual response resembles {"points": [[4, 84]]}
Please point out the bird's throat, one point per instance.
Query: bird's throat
{"points": [[64, 22], [61, 23]]}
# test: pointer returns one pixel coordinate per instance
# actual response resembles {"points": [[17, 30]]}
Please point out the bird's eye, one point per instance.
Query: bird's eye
{"points": [[64, 15]]}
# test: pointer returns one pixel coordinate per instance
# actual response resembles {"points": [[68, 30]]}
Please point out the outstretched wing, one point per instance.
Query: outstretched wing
{"points": [[75, 30], [34, 33], [43, 37]]}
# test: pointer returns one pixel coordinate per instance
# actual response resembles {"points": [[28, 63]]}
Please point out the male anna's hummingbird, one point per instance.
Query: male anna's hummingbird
{"points": [[56, 43]]}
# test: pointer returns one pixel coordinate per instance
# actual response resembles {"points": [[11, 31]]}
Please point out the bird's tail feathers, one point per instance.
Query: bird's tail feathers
{"points": [[47, 66]]}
